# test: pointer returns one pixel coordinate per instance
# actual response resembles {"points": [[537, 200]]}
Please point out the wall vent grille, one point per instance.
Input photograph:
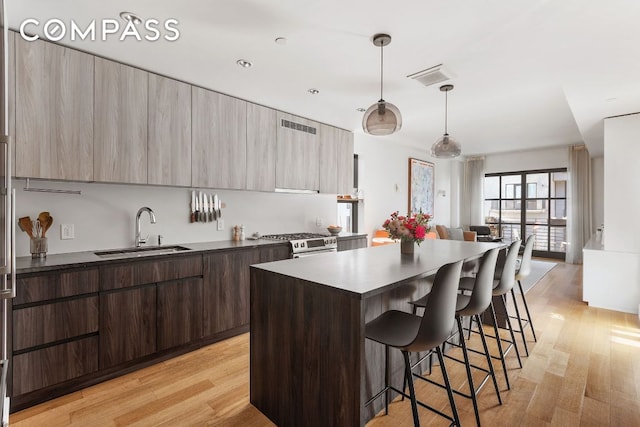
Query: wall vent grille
{"points": [[297, 126]]}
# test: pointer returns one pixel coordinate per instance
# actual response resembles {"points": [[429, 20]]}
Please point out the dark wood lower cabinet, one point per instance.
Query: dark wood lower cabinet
{"points": [[226, 296], [179, 312], [127, 325], [37, 369], [348, 244]]}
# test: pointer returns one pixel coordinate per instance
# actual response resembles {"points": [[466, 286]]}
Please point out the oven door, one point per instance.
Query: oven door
{"points": [[312, 253]]}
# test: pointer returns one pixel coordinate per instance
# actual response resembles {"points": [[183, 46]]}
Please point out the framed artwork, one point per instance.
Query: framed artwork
{"points": [[421, 186]]}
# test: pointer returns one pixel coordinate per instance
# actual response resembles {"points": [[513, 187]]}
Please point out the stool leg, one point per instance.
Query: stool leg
{"points": [[513, 335], [386, 379], [499, 342], [492, 372], [526, 308], [447, 384], [524, 339], [467, 365], [409, 377]]}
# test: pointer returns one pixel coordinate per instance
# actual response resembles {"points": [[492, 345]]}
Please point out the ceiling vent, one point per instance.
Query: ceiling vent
{"points": [[297, 126], [432, 75]]}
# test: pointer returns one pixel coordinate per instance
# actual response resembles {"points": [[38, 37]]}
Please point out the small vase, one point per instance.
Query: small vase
{"points": [[406, 247]]}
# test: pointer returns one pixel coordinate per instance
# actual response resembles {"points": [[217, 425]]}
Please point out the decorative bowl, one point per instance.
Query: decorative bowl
{"points": [[334, 229]]}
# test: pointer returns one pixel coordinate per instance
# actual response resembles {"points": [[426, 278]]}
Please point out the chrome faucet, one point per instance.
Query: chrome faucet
{"points": [[138, 238]]}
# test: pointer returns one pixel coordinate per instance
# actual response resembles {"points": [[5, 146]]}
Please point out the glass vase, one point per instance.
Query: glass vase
{"points": [[407, 247]]}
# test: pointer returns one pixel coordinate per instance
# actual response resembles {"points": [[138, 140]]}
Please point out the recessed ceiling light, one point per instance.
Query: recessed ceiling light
{"points": [[281, 40], [313, 91], [244, 63], [362, 110], [131, 17]]}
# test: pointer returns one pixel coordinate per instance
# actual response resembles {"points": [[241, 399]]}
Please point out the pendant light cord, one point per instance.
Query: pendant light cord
{"points": [[446, 109], [381, 69]]}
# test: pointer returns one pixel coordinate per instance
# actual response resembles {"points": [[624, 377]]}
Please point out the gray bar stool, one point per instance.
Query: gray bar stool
{"points": [[473, 305], [410, 333], [502, 286], [523, 271]]}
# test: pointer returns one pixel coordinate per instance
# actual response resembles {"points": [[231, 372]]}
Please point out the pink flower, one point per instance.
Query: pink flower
{"points": [[420, 232]]}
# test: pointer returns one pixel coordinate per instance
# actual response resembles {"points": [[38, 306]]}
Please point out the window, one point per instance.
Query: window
{"points": [[541, 210]]}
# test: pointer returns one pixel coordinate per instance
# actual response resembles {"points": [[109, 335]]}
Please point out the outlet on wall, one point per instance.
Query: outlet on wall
{"points": [[220, 225], [67, 232], [318, 222]]}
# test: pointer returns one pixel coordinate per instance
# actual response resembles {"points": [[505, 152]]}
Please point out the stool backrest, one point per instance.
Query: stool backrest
{"points": [[440, 310], [525, 265], [508, 275], [483, 285]]}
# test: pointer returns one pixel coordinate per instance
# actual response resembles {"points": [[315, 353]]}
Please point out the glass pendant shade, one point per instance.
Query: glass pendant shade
{"points": [[382, 118], [446, 148]]}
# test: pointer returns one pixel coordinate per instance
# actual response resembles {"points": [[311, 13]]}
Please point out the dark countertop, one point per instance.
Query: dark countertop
{"points": [[367, 272], [89, 258]]}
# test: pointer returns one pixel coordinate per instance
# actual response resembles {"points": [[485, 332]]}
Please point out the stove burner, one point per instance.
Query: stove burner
{"points": [[294, 236]]}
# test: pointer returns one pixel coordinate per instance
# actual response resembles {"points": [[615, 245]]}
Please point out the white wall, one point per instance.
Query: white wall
{"points": [[622, 180], [597, 190], [546, 158], [104, 214], [384, 174]]}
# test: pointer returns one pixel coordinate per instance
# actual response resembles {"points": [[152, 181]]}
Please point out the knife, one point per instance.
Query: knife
{"points": [[201, 219], [211, 209], [193, 207], [219, 208], [197, 213], [215, 206], [206, 209]]}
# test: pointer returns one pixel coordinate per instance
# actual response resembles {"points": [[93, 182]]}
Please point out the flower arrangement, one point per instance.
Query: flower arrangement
{"points": [[412, 228]]}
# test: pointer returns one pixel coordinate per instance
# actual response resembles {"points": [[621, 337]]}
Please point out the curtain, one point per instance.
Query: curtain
{"points": [[473, 192], [579, 221]]}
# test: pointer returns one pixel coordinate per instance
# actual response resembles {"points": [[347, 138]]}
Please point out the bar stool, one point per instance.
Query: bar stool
{"points": [[410, 333], [502, 286], [473, 305], [522, 272]]}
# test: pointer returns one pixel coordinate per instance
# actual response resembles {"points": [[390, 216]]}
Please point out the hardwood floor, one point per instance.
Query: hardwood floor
{"points": [[583, 371]]}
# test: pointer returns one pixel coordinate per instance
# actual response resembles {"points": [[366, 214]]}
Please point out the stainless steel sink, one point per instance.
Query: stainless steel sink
{"points": [[142, 251]]}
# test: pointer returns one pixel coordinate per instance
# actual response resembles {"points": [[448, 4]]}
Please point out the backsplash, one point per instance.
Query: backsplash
{"points": [[103, 216]]}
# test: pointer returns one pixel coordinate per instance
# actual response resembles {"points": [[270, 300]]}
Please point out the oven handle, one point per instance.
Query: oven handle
{"points": [[312, 253]]}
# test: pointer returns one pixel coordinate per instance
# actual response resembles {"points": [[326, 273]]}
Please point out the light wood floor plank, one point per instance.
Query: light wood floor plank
{"points": [[583, 371]]}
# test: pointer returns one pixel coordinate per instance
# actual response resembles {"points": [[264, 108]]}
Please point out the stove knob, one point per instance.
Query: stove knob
{"points": [[295, 245]]}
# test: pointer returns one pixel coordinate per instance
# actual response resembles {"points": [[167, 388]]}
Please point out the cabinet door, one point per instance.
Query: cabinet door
{"points": [[54, 112], [127, 325], [226, 290], [297, 153], [261, 148], [329, 137], [350, 244], [345, 162], [120, 123], [275, 253], [169, 149], [179, 312], [219, 144]]}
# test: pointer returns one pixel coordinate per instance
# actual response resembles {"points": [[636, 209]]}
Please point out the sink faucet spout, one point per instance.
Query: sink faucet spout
{"points": [[139, 240]]}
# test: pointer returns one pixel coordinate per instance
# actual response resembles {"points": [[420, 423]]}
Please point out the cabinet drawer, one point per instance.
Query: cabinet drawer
{"points": [[142, 273], [48, 323], [52, 365], [56, 285]]}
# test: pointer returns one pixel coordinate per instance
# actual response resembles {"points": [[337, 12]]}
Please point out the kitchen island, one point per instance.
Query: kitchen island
{"points": [[310, 362]]}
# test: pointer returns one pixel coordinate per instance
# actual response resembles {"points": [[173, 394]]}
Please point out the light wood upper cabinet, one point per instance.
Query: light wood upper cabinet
{"points": [[11, 89], [297, 153], [120, 125], [169, 146], [336, 160], [54, 112], [219, 142], [261, 148], [345, 162]]}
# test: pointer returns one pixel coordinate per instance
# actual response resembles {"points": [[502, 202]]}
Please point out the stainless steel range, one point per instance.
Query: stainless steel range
{"points": [[307, 244]]}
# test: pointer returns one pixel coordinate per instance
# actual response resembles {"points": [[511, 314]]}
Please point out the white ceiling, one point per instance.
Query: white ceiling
{"points": [[527, 73]]}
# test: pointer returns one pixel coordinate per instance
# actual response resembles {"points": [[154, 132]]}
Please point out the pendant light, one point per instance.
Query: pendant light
{"points": [[382, 118], [446, 147]]}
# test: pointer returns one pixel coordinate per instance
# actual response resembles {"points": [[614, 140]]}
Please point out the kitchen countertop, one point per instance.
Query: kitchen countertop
{"points": [[89, 258], [368, 272]]}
